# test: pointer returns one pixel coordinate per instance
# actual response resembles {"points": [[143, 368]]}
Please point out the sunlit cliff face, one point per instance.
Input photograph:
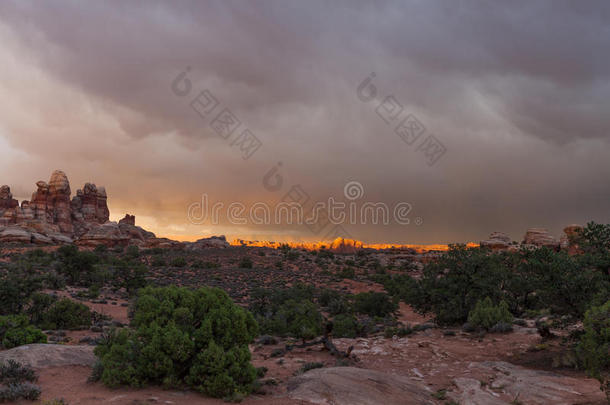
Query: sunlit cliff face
{"points": [[339, 243], [520, 107]]}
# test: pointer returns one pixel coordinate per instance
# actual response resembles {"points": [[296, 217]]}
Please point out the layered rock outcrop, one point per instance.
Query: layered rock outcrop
{"points": [[569, 240], [497, 241], [52, 216], [536, 237], [540, 237], [206, 243]]}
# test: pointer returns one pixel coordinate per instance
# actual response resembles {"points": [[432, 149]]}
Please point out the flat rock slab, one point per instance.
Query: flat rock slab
{"points": [[46, 355], [357, 386], [510, 384]]}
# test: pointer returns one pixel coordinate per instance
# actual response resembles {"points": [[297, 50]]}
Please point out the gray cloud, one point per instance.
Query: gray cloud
{"points": [[516, 91]]}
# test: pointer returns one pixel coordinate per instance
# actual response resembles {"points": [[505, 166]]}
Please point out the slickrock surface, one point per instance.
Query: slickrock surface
{"points": [[357, 386], [42, 355]]}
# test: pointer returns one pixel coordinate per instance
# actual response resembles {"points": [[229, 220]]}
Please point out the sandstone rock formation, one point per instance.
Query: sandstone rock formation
{"points": [[357, 386], [341, 245], [128, 219], [569, 239], [206, 243], [89, 208], [497, 241], [52, 217], [540, 237]]}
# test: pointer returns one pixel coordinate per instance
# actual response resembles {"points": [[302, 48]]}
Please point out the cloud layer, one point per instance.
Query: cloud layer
{"points": [[517, 92]]}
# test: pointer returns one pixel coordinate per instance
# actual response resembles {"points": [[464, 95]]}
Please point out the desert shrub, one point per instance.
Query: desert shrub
{"points": [[374, 304], [178, 262], [401, 286], [346, 326], [158, 262], [38, 307], [347, 272], [245, 263], [56, 401], [530, 279], [299, 319], [73, 264], [24, 390], [399, 331], [100, 250], [310, 366], [264, 300], [66, 314], [197, 338], [132, 276], [486, 315], [13, 372], [327, 295], [594, 345], [325, 254], [15, 330], [451, 286], [17, 284], [335, 302], [501, 327], [292, 255], [287, 312], [153, 251], [132, 252], [567, 285]]}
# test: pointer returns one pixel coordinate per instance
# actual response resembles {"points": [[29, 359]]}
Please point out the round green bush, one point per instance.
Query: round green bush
{"points": [[66, 314], [486, 315], [15, 330], [181, 337], [345, 326], [374, 304]]}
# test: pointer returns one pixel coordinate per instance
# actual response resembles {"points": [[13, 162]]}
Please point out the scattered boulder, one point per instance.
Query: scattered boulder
{"points": [[357, 386]]}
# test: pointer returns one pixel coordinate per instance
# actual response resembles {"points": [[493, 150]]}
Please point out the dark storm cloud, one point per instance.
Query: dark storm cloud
{"points": [[517, 91]]}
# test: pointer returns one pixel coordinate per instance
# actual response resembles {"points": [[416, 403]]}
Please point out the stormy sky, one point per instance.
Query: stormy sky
{"points": [[516, 94]]}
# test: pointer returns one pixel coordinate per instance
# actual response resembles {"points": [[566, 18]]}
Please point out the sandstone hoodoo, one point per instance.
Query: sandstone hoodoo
{"points": [[569, 239], [497, 241], [52, 216], [540, 237]]}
